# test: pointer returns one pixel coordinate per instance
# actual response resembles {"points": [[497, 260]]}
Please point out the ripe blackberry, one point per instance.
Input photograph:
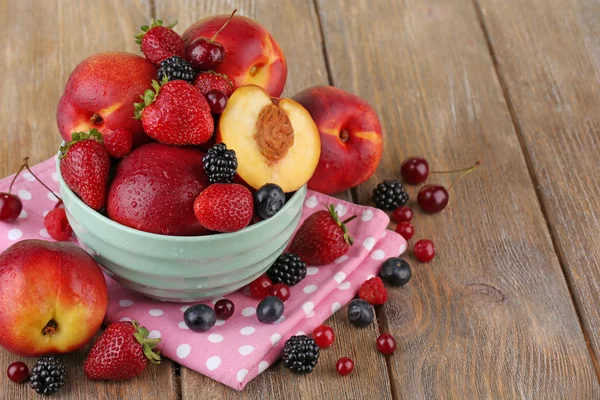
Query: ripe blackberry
{"points": [[48, 375], [300, 354], [220, 164], [176, 68], [389, 195], [288, 269]]}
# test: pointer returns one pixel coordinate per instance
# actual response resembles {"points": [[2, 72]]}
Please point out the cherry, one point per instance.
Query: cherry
{"points": [[261, 287], [206, 54], [323, 335], [386, 344], [216, 100], [344, 366], [424, 250], [402, 214], [17, 372], [406, 230], [281, 290], [10, 207], [415, 170], [224, 308]]}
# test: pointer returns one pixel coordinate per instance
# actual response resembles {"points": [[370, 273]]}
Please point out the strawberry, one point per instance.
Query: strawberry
{"points": [[118, 143], [85, 167], [373, 291], [121, 352], [322, 238], [210, 80], [224, 207], [57, 225], [160, 42], [175, 112]]}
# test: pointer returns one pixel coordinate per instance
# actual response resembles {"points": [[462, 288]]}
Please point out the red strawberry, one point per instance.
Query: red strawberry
{"points": [[322, 238], [175, 113], [85, 166], [118, 143], [57, 224], [207, 81], [122, 352], [373, 291], [224, 207], [160, 42]]}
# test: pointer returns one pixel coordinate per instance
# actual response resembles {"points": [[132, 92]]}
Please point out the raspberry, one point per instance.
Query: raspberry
{"points": [[57, 225], [373, 291]]}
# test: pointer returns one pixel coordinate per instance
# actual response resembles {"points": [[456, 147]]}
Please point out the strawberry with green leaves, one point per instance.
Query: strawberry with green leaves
{"points": [[210, 80], [159, 42], [85, 167]]}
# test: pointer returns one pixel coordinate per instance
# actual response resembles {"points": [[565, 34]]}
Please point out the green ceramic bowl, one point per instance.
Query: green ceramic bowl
{"points": [[181, 268]]}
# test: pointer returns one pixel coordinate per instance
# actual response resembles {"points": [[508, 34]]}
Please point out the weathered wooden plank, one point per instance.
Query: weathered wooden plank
{"points": [[549, 60], [491, 317], [45, 40]]}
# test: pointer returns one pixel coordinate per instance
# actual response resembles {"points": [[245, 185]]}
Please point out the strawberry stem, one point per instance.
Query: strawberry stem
{"points": [[336, 219], [349, 219], [465, 173], [237, 5], [148, 345]]}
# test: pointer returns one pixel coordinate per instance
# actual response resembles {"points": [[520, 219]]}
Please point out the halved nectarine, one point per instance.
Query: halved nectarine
{"points": [[275, 140]]}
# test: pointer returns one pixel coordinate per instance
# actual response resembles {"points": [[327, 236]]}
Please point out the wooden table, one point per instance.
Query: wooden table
{"points": [[510, 308]]}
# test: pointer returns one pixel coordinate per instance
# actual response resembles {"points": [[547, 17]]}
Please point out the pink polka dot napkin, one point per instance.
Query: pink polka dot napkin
{"points": [[236, 350]]}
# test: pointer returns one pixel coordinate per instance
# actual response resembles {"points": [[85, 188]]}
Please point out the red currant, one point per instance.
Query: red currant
{"points": [[406, 230], [323, 335], [10, 207], [261, 287], [224, 308], [281, 290], [386, 344], [17, 372], [205, 54], [402, 214], [216, 100], [415, 170], [344, 366], [424, 250], [57, 224], [433, 198]]}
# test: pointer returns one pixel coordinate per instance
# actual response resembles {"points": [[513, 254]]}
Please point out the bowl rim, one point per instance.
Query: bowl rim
{"points": [[298, 194]]}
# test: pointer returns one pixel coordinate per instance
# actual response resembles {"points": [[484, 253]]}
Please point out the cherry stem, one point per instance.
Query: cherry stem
{"points": [[465, 173], [455, 170], [25, 165], [16, 175], [237, 5]]}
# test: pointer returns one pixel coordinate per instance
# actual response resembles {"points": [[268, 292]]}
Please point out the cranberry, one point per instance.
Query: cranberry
{"points": [[216, 100], [344, 366], [205, 54], [415, 170], [402, 214], [323, 335], [424, 250], [224, 308], [406, 230], [17, 372], [10, 207], [386, 344], [261, 287], [433, 198], [281, 290]]}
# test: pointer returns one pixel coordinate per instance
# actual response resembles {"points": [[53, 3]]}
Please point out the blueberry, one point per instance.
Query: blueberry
{"points": [[200, 318], [268, 200], [395, 271], [269, 310], [360, 313]]}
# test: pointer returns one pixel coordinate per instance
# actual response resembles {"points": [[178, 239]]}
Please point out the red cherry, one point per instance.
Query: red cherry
{"points": [[406, 230], [17, 372], [10, 207], [323, 335], [344, 366], [261, 287], [205, 54], [402, 214], [424, 250], [386, 344], [281, 290], [216, 100], [414, 170], [433, 198], [224, 308]]}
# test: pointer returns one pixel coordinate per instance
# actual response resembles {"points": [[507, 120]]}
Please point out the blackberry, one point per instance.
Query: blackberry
{"points": [[176, 68], [288, 269], [389, 195], [220, 164], [48, 375], [300, 354]]}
